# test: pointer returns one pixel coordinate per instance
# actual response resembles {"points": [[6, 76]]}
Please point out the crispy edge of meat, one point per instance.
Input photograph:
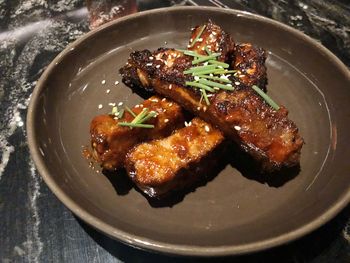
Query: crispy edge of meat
{"points": [[268, 135], [111, 142], [172, 163], [249, 61]]}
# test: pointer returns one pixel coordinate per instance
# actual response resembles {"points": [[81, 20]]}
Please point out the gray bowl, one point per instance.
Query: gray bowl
{"points": [[233, 213]]}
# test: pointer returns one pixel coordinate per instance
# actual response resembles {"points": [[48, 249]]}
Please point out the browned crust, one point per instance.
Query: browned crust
{"points": [[110, 142]]}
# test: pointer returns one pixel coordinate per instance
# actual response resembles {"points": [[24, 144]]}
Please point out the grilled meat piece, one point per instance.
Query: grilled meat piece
{"points": [[249, 61], [268, 135], [111, 142], [160, 166], [215, 39]]}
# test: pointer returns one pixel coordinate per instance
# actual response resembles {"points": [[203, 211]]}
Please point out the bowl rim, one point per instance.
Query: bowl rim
{"points": [[146, 243]]}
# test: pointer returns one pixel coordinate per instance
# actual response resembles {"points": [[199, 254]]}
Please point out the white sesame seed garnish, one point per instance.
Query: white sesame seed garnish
{"points": [[211, 75], [111, 104], [237, 83], [205, 64], [166, 120], [198, 108], [196, 78], [210, 95], [228, 85], [120, 103], [214, 33], [137, 106], [154, 100], [164, 99], [170, 104], [205, 108], [141, 105], [151, 58], [149, 64], [108, 91], [206, 128], [202, 48], [200, 39], [237, 128], [116, 82], [158, 66], [191, 40], [216, 88], [103, 82], [165, 42], [241, 76], [186, 123], [188, 46], [100, 106], [170, 86]]}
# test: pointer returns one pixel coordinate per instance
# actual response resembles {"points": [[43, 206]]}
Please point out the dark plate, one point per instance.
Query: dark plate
{"points": [[233, 213]]}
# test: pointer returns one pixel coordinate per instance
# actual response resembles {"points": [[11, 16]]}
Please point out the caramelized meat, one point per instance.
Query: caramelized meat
{"points": [[249, 61], [111, 142], [164, 165], [268, 135], [215, 39]]}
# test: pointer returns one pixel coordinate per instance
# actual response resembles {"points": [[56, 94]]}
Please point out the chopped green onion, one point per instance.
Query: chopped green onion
{"points": [[140, 116], [136, 125], [195, 69], [114, 111], [192, 53], [204, 72], [224, 71], [130, 111], [121, 113], [202, 59], [266, 97], [198, 35], [222, 64], [152, 114], [204, 93], [199, 85], [215, 84], [207, 50], [215, 78]]}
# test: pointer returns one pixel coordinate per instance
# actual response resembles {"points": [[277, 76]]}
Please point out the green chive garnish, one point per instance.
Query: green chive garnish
{"points": [[199, 85], [215, 84], [266, 97], [208, 71], [198, 36], [201, 68], [215, 78], [222, 64], [203, 59], [140, 116], [121, 113], [152, 114], [130, 111], [207, 50], [136, 125], [205, 97], [222, 71]]}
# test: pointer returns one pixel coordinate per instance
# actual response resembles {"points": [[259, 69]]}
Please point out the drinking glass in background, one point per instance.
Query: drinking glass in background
{"points": [[103, 11]]}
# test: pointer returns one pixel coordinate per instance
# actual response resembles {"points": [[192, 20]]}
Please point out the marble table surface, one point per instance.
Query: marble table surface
{"points": [[34, 225]]}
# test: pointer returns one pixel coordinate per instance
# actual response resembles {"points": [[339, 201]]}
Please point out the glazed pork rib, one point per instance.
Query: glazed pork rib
{"points": [[242, 115], [111, 142], [161, 166]]}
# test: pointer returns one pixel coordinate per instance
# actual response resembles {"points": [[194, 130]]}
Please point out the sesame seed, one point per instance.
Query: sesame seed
{"points": [[158, 66], [164, 99], [103, 82], [165, 42], [120, 103], [108, 91], [154, 100], [191, 40], [166, 120], [170, 86], [170, 104], [203, 48], [111, 104], [141, 105], [149, 64], [205, 64], [100, 106], [116, 82], [189, 45], [196, 78], [237, 128], [186, 124], [211, 75], [241, 76], [237, 83], [200, 39], [205, 108], [206, 128], [228, 85], [137, 106], [164, 110], [198, 108], [151, 58]]}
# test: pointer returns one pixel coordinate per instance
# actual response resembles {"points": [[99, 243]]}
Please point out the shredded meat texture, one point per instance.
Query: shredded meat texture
{"points": [[111, 142], [249, 61], [242, 115], [160, 166]]}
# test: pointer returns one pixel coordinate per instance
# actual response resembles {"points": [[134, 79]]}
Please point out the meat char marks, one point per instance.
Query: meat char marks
{"points": [[242, 115], [161, 166], [111, 142]]}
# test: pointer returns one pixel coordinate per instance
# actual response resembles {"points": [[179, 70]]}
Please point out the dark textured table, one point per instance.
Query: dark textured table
{"points": [[34, 225]]}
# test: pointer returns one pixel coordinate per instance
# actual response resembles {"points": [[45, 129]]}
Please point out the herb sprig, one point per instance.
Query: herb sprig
{"points": [[139, 119]]}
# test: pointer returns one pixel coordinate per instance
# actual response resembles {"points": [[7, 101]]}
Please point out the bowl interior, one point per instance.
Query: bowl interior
{"points": [[232, 210]]}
